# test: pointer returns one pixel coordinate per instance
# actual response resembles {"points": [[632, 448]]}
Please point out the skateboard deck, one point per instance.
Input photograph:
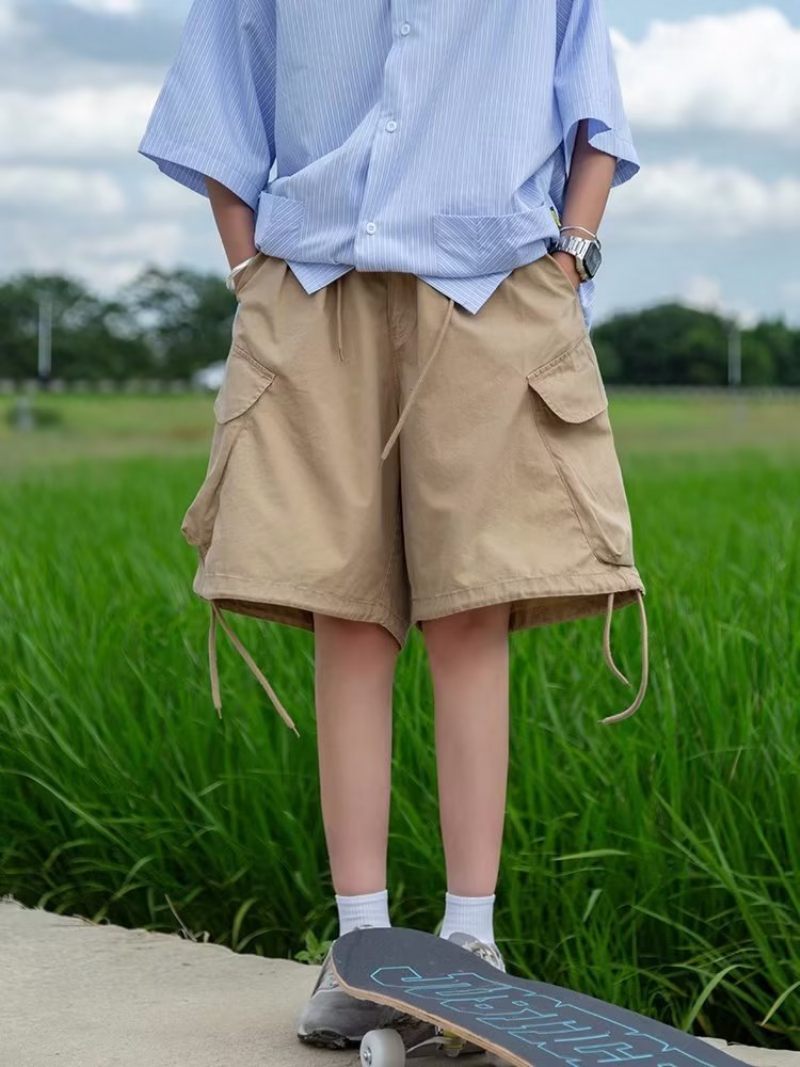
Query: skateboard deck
{"points": [[524, 1023]]}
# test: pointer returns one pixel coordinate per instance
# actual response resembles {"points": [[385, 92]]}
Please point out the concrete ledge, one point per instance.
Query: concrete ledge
{"points": [[79, 994]]}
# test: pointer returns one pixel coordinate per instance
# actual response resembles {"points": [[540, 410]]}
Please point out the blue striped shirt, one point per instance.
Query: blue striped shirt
{"points": [[429, 136]]}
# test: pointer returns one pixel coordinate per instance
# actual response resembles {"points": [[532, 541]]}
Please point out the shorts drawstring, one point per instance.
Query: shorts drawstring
{"points": [[339, 315], [404, 413], [213, 669], [216, 615], [607, 643], [612, 665]]}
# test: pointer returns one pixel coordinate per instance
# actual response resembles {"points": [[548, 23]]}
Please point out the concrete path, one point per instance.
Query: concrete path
{"points": [[77, 994]]}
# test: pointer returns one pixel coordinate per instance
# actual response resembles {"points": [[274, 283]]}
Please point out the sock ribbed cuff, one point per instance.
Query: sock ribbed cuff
{"points": [[362, 908], [471, 915]]}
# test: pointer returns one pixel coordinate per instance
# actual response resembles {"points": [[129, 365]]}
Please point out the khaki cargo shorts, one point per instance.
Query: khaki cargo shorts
{"points": [[382, 454]]}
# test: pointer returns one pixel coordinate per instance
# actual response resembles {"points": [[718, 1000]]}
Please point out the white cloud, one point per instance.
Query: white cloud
{"points": [[103, 253], [75, 196], [63, 189], [680, 199], [109, 7], [738, 71], [77, 123], [116, 257], [157, 242], [701, 291], [159, 196], [10, 23], [705, 294]]}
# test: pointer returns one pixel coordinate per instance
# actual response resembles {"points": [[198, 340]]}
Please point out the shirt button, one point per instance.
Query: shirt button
{"points": [[391, 125], [370, 227], [405, 28]]}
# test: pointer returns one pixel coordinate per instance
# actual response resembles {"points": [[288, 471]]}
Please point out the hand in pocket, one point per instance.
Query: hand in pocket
{"points": [[566, 264]]}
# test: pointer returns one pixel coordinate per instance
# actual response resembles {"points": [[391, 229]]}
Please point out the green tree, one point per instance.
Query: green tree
{"points": [[185, 318], [670, 344], [170, 323], [783, 345], [91, 338]]}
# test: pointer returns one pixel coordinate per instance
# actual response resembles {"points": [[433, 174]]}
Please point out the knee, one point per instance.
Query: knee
{"points": [[466, 633]]}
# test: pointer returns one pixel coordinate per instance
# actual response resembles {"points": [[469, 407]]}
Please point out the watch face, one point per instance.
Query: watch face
{"points": [[592, 259]]}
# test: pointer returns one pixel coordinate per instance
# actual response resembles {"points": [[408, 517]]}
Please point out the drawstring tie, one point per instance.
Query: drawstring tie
{"points": [[339, 316], [216, 615], [438, 344], [404, 413], [615, 669]]}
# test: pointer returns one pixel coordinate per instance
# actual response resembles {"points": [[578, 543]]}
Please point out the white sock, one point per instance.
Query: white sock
{"points": [[363, 908], [471, 915]]}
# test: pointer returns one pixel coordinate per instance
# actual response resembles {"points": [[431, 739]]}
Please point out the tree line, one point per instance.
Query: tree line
{"points": [[169, 324]]}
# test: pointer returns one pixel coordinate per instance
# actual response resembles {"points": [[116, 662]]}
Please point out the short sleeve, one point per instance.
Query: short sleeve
{"points": [[215, 114], [587, 86]]}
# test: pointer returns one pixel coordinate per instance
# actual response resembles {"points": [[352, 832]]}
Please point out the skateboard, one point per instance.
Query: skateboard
{"points": [[469, 1002]]}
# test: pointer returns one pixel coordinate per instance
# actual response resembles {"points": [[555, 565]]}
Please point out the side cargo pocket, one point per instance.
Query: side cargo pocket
{"points": [[244, 383], [571, 411]]}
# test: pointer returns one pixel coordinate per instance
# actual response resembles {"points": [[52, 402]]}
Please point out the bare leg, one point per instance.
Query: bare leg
{"points": [[468, 654], [354, 672]]}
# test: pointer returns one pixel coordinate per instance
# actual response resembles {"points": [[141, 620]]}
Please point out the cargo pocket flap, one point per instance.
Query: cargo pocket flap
{"points": [[570, 384], [245, 380]]}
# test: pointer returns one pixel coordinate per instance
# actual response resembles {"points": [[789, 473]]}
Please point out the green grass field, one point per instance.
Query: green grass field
{"points": [[655, 863]]}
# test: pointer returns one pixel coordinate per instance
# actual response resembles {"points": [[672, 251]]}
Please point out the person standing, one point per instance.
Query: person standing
{"points": [[413, 427]]}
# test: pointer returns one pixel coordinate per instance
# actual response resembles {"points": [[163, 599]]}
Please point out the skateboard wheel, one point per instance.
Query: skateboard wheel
{"points": [[382, 1048]]}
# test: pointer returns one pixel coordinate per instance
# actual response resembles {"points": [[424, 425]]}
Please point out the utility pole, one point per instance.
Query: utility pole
{"points": [[734, 353], [45, 361]]}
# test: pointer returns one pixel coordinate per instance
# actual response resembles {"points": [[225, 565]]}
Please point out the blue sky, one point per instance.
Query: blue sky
{"points": [[712, 90], [633, 16]]}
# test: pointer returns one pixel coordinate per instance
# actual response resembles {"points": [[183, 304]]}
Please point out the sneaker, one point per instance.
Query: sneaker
{"points": [[486, 950], [332, 1018]]}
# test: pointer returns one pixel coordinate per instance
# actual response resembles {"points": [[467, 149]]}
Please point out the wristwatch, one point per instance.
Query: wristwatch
{"points": [[585, 250]]}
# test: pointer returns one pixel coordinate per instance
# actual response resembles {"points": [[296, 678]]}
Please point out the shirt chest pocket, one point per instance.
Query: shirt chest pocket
{"points": [[481, 244]]}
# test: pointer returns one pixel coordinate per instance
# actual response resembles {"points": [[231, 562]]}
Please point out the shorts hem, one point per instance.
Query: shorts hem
{"points": [[283, 602], [538, 600]]}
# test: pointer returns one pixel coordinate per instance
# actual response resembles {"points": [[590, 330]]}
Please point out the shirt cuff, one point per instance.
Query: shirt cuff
{"points": [[606, 138], [191, 165], [609, 141]]}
